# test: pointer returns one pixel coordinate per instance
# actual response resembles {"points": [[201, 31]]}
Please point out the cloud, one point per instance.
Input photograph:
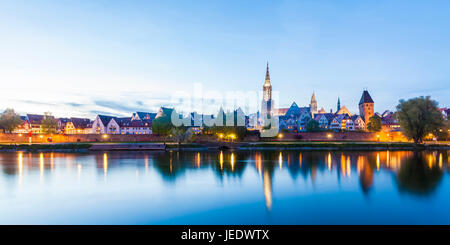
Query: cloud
{"points": [[74, 104], [117, 106]]}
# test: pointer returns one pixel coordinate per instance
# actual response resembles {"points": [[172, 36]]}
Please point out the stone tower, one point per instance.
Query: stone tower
{"points": [[313, 105], [366, 107], [267, 103]]}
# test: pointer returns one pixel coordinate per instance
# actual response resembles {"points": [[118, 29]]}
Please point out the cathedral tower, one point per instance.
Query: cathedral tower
{"points": [[366, 107], [267, 103], [313, 105]]}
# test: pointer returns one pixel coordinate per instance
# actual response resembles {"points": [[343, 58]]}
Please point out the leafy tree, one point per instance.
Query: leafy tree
{"points": [[10, 120], [181, 134], [162, 125], [49, 124], [419, 117], [374, 124], [313, 126]]}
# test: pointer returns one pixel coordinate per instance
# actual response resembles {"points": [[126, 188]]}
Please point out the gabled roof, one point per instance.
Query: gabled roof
{"points": [[123, 121], [36, 119], [293, 110], [344, 110], [280, 111], [341, 117], [354, 117], [105, 119], [146, 115], [164, 111], [328, 116], [365, 98], [81, 122], [322, 111]]}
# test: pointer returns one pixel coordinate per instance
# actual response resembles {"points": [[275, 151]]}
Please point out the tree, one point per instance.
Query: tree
{"points": [[49, 124], [10, 120], [374, 124], [181, 134], [312, 126], [418, 117], [162, 125]]}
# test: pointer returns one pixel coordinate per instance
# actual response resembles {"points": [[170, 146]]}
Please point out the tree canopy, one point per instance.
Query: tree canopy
{"points": [[312, 126], [49, 124], [10, 120], [374, 124], [419, 117], [162, 125]]}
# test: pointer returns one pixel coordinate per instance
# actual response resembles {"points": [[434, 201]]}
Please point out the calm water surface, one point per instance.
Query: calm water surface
{"points": [[241, 187]]}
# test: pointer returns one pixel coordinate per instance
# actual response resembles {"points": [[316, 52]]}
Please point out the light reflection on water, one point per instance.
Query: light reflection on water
{"points": [[241, 187]]}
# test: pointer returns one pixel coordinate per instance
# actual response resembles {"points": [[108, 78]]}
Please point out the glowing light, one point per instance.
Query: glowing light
{"points": [[41, 136], [20, 165], [105, 164], [221, 160], [300, 159], [329, 135], [41, 164], [221, 136], [378, 161], [329, 161], [198, 159], [232, 161], [280, 160], [387, 158], [105, 136], [267, 182], [348, 166], [20, 135], [280, 136], [258, 162], [430, 161]]}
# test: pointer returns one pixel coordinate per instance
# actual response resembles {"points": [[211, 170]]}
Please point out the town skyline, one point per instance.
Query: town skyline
{"points": [[120, 57]]}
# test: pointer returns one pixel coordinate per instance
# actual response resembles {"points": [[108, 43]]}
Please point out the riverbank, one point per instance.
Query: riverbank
{"points": [[161, 146]]}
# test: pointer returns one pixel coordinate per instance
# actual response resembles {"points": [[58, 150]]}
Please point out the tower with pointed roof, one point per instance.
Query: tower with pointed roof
{"points": [[338, 104], [366, 106], [313, 105], [267, 103]]}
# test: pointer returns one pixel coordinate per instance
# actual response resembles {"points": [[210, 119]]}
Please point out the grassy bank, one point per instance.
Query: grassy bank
{"points": [[342, 145], [288, 145]]}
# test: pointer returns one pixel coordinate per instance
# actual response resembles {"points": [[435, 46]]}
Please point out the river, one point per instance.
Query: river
{"points": [[229, 187]]}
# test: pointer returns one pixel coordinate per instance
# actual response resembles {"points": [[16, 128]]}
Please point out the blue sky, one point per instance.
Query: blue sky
{"points": [[80, 58]]}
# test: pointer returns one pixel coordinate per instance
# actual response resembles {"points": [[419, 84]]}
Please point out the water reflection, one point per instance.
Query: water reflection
{"points": [[416, 173]]}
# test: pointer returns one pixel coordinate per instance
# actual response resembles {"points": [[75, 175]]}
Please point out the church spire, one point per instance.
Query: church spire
{"points": [[313, 105], [267, 82], [339, 104]]}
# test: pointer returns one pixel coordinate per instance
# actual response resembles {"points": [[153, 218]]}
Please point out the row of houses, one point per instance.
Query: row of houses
{"points": [[138, 123], [293, 119], [296, 119]]}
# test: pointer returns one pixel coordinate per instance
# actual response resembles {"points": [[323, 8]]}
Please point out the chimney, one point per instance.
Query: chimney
{"points": [[331, 110]]}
